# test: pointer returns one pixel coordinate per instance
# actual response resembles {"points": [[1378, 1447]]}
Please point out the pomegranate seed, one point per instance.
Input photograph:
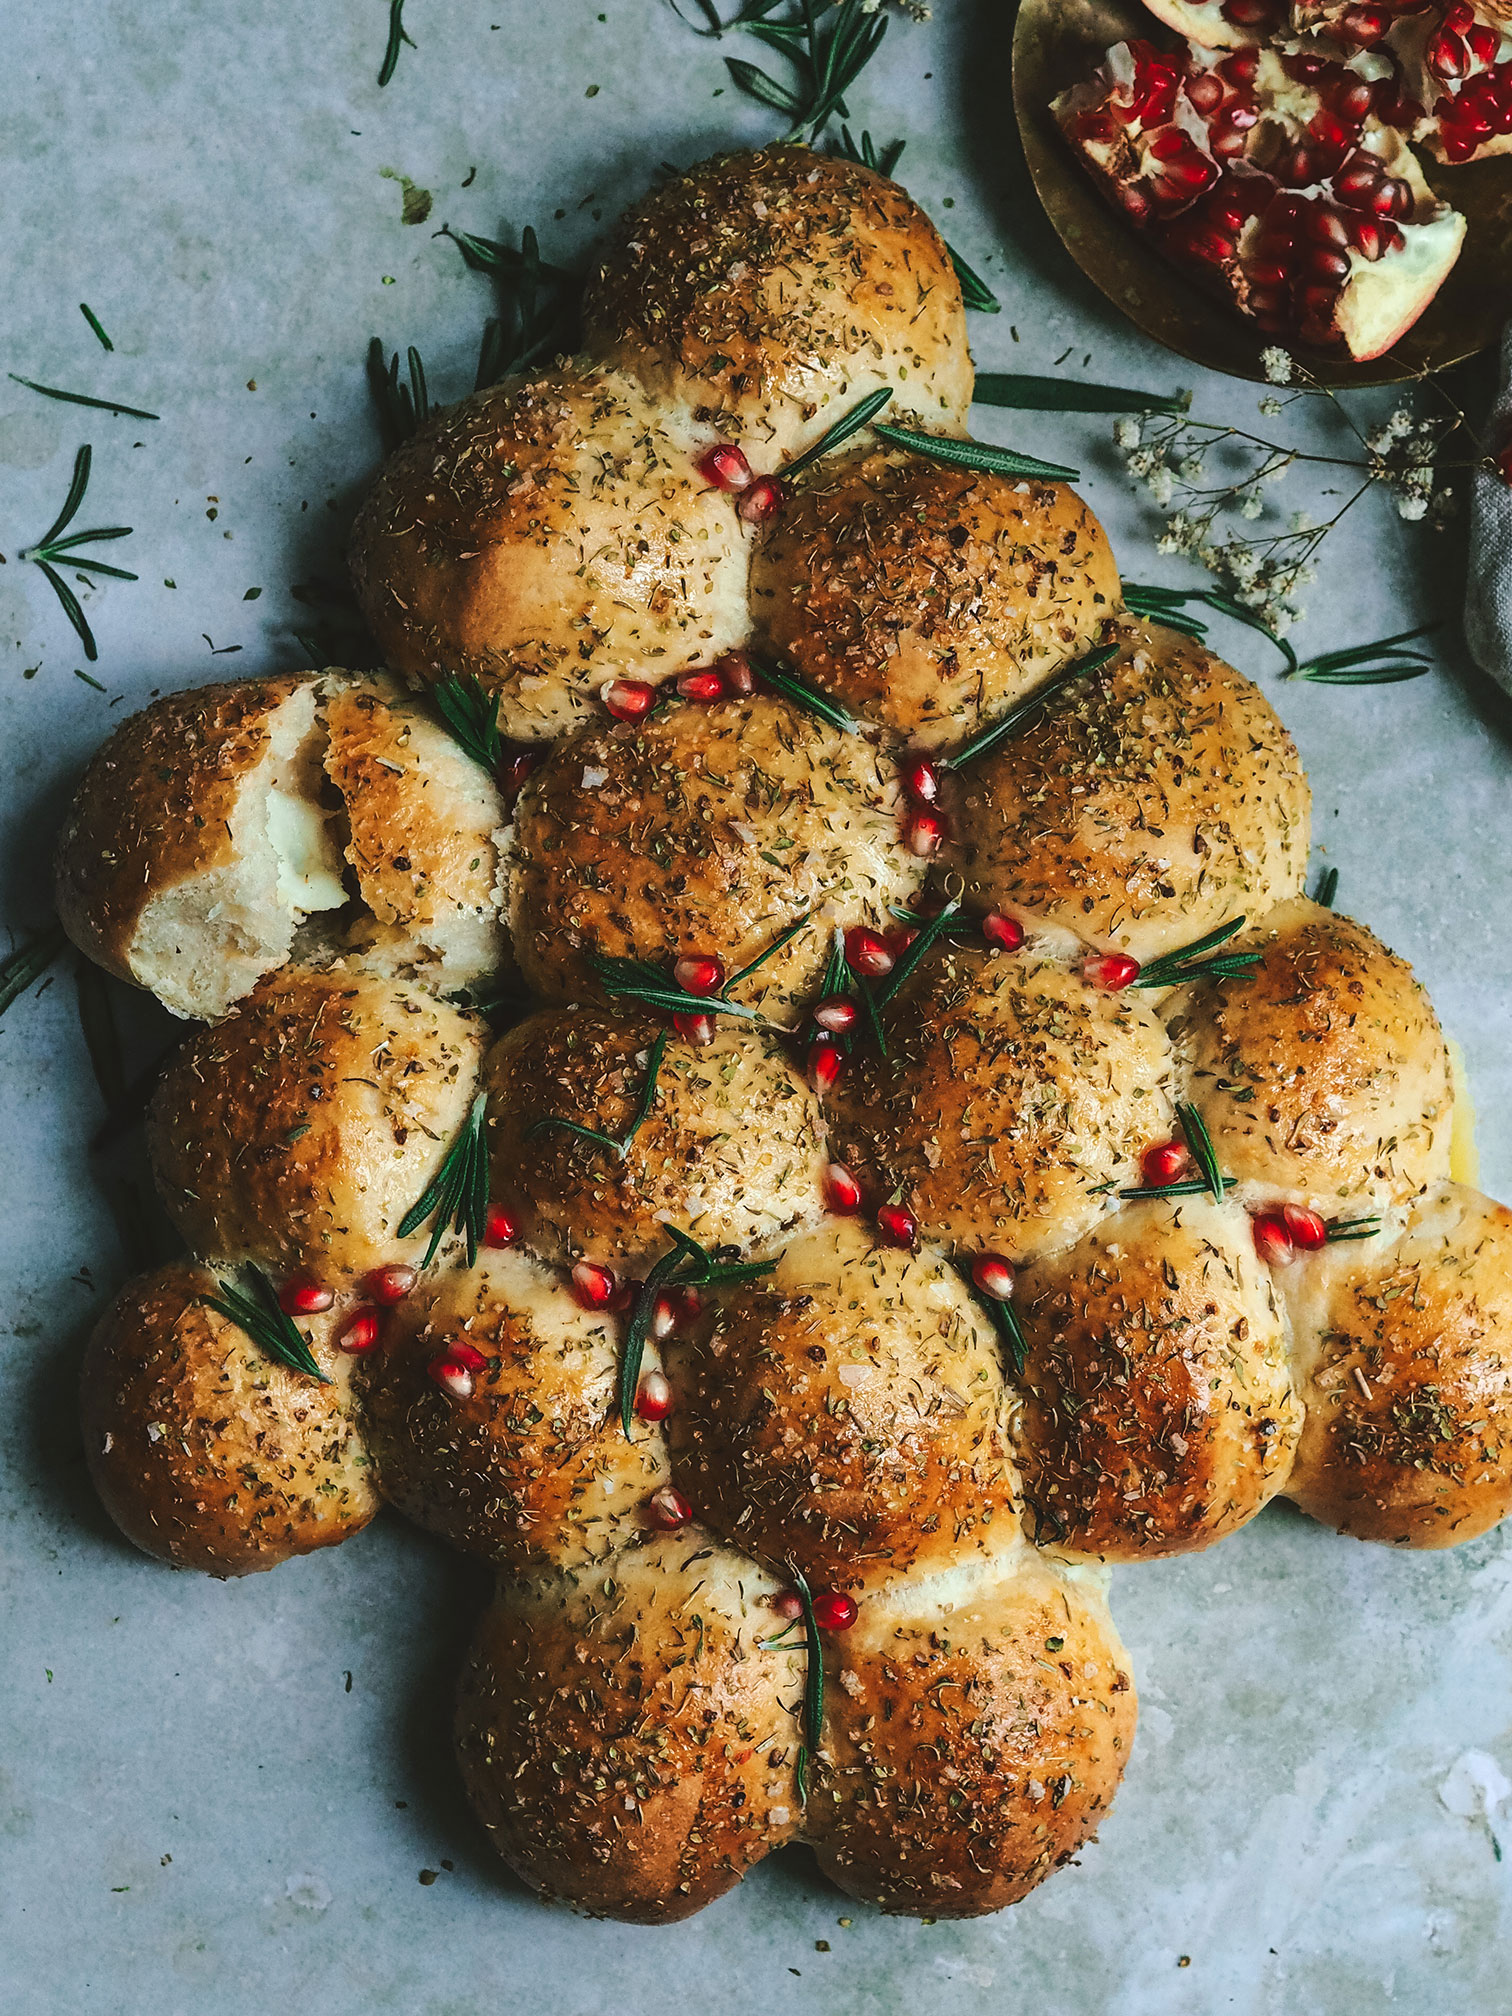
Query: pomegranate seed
{"points": [[921, 781], [1112, 971], [1447, 55], [1326, 263], [1326, 226], [451, 1377], [1227, 141], [1367, 235], [1398, 195], [993, 1275], [500, 1227], [704, 686], [359, 1333], [1483, 43], [468, 1356], [1356, 99], [868, 953], [303, 1295], [725, 467], [695, 1029], [663, 1316], [514, 769], [669, 1509], [898, 1225], [699, 973], [594, 1286], [1364, 26], [789, 1604], [1273, 1242], [653, 1397], [689, 1304], [900, 938], [1205, 92], [1135, 202], [1241, 67], [391, 1284], [1307, 1229], [626, 1294], [826, 1067], [842, 1193], [735, 670], [1005, 932], [926, 834], [1166, 1162], [763, 500], [629, 699], [834, 1610], [836, 1014]]}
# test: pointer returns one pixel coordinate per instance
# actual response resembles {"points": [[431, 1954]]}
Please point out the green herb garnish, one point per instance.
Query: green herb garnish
{"points": [[1200, 1142], [51, 551], [685, 1264], [1343, 1231], [28, 963], [457, 1195], [1384, 663], [402, 409], [1328, 888], [471, 717], [397, 35], [975, 455], [1027, 711], [268, 1325], [640, 980], [620, 1146], [538, 303], [938, 927], [791, 687], [826, 60], [1168, 606], [1004, 1319], [813, 1687], [94, 322], [1027, 393], [850, 423], [1176, 969], [82, 399]]}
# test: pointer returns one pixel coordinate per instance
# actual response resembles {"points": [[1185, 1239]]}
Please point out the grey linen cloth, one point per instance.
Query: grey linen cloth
{"points": [[1488, 600]]}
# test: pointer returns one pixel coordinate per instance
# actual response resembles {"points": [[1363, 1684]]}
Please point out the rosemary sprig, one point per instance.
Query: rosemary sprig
{"points": [[82, 399], [269, 1327], [813, 1686], [397, 34], [94, 322], [975, 455], [402, 409], [1344, 1231], [937, 928], [639, 980], [1198, 1139], [850, 423], [1027, 393], [1384, 663], [471, 716], [791, 687], [1187, 1187], [1328, 888], [52, 548], [538, 303], [457, 1195], [1168, 606], [685, 1262], [1028, 710], [784, 937], [975, 293], [28, 963], [749, 11], [620, 1145], [826, 60], [1175, 969]]}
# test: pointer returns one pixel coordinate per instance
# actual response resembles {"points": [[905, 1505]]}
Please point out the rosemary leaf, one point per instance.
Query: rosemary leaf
{"points": [[634, 1352], [813, 1685], [1357, 656], [975, 293], [28, 963], [94, 322], [72, 610], [1201, 1144], [1028, 710], [937, 928], [573, 1127], [1344, 1231], [1188, 1187], [471, 717], [648, 1091], [1004, 1319], [634, 980], [868, 1001], [1391, 672], [457, 1195], [1026, 392], [396, 36], [975, 455], [1174, 969], [850, 423], [1328, 888], [782, 938], [82, 399], [1167, 605], [78, 484], [269, 1326], [765, 90], [791, 687]]}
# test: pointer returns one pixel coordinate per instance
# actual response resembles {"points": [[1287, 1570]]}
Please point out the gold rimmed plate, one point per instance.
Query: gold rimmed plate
{"points": [[1057, 43]]}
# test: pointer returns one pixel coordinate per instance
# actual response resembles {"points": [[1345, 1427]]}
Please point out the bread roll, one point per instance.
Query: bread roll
{"points": [[1151, 802], [768, 293], [206, 1452], [929, 598], [731, 1150], [300, 1130], [704, 829], [548, 536]]}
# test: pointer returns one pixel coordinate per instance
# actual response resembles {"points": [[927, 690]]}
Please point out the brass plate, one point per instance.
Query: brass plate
{"points": [[1057, 43]]}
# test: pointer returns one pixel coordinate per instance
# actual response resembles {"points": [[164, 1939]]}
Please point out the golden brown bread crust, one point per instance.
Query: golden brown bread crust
{"points": [[623, 1736], [1321, 1072], [847, 1416], [206, 1452], [531, 1471], [771, 291], [1013, 1095], [930, 598], [1407, 1377], [732, 1149], [967, 1755], [1158, 1405], [299, 1130], [548, 536], [705, 829], [1151, 802], [155, 808]]}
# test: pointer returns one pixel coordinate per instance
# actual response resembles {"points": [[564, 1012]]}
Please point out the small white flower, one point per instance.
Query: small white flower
{"points": [[1128, 432], [1162, 485], [1301, 521], [1190, 468], [1270, 406], [1277, 472], [1412, 507], [1251, 503], [1278, 365]]}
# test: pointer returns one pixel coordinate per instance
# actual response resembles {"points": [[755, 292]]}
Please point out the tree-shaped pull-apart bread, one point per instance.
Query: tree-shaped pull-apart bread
{"points": [[932, 1149]]}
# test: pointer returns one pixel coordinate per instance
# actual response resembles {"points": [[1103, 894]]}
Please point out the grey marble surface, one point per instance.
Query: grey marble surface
{"points": [[220, 1798]]}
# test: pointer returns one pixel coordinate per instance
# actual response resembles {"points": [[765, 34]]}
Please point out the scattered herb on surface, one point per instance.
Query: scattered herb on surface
{"points": [[53, 551], [94, 322], [83, 399], [397, 36]]}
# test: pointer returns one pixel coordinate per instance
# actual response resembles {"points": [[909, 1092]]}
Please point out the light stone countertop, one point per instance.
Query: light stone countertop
{"points": [[220, 1798]]}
